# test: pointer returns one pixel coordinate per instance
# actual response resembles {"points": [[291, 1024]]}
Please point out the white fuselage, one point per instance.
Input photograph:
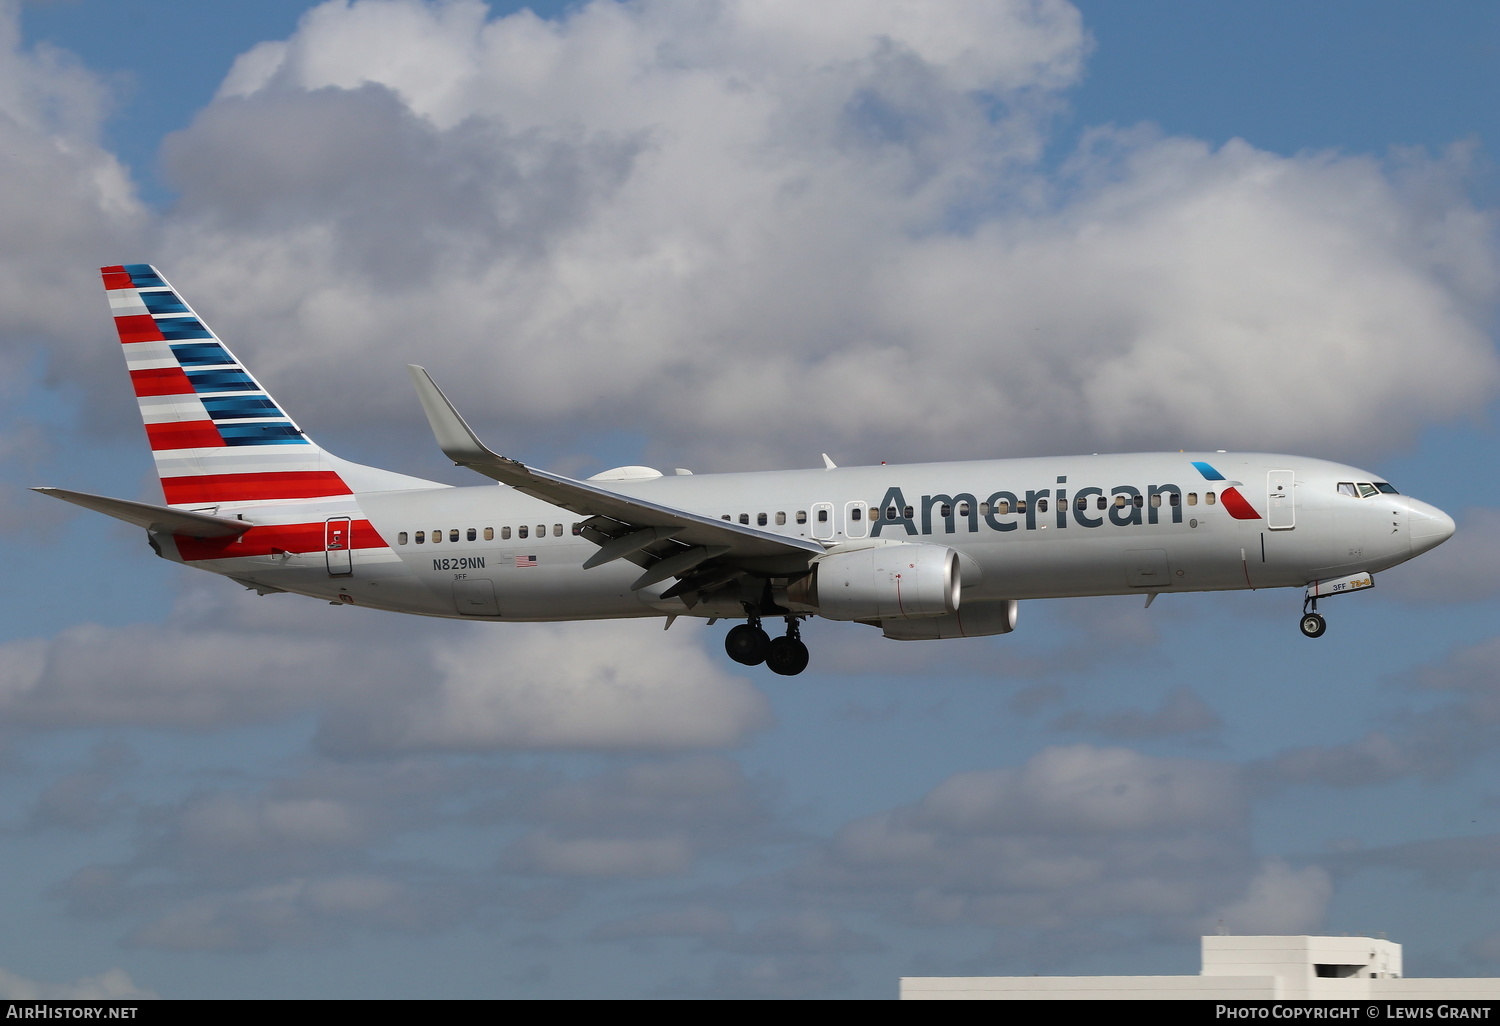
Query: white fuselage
{"points": [[1023, 528]]}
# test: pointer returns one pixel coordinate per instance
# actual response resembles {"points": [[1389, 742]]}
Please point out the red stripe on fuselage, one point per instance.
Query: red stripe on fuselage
{"points": [[1237, 506], [138, 328], [191, 434], [265, 541], [296, 484], [160, 381]]}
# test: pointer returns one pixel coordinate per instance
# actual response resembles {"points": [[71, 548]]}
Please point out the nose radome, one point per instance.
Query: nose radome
{"points": [[1430, 527]]}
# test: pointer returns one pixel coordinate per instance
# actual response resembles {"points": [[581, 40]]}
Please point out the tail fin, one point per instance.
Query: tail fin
{"points": [[216, 434]]}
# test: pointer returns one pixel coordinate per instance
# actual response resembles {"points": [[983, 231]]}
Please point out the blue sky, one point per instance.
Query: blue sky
{"points": [[722, 236]]}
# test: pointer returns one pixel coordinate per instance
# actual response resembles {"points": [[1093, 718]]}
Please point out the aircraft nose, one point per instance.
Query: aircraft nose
{"points": [[1430, 527]]}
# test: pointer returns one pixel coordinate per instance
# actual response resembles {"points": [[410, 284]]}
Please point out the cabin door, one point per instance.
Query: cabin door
{"points": [[338, 546]]}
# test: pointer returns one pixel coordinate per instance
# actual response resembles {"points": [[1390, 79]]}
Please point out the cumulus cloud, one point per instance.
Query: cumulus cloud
{"points": [[620, 686], [1079, 838], [68, 204], [111, 985], [1279, 900], [692, 217], [226, 659]]}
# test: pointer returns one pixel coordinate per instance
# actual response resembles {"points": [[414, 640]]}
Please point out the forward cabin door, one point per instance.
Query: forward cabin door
{"points": [[338, 546], [1281, 512]]}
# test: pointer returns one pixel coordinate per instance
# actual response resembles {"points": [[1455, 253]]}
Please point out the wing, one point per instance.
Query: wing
{"points": [[664, 541]]}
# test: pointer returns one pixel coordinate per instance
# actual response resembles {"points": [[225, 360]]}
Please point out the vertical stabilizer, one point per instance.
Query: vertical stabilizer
{"points": [[216, 434]]}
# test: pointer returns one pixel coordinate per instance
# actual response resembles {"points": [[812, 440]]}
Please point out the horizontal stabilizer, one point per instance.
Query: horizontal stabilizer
{"points": [[153, 518]]}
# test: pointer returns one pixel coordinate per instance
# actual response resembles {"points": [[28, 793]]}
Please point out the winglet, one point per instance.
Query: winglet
{"points": [[454, 436], [828, 464]]}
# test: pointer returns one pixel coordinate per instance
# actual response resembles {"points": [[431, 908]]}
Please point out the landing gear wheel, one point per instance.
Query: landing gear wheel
{"points": [[1313, 625], [746, 643], [787, 656]]}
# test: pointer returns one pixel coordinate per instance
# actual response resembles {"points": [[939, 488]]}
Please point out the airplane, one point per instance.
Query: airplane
{"points": [[921, 552]]}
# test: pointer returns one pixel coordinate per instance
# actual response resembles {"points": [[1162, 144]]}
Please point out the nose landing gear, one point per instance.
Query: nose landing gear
{"points": [[1312, 624]]}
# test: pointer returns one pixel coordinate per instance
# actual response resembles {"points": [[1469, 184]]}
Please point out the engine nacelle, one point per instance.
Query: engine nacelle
{"points": [[882, 582], [975, 620]]}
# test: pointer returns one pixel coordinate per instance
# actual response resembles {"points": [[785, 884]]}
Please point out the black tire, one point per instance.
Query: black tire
{"points": [[787, 656], [747, 644], [1313, 625]]}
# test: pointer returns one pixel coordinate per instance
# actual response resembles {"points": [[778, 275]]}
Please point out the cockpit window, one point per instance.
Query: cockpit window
{"points": [[1386, 489], [1366, 490], [1347, 488]]}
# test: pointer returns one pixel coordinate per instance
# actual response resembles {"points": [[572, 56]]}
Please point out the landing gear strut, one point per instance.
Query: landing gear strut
{"points": [[1312, 624], [788, 655]]}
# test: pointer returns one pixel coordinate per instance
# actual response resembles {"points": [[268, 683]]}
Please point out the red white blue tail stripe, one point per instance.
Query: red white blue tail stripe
{"points": [[217, 435]]}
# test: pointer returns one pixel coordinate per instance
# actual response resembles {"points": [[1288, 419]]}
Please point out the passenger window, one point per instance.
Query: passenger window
{"points": [[453, 535], [1021, 506], [1081, 504], [891, 513], [760, 520], [745, 519], [401, 538], [522, 531], [421, 537], [781, 518], [946, 511], [437, 536], [1003, 506], [726, 516], [541, 530], [1156, 501], [822, 516], [1103, 503], [1208, 498], [489, 534], [1041, 505], [577, 530], [1192, 498], [906, 512], [1138, 500], [505, 534], [802, 516], [1173, 499], [963, 509], [1119, 502], [473, 535], [984, 509], [557, 530]]}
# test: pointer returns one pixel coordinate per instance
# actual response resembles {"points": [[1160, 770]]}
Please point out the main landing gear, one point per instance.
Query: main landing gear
{"points": [[1312, 624], [749, 644]]}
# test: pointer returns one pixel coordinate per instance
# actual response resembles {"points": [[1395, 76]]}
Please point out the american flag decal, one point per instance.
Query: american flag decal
{"points": [[525, 561]]}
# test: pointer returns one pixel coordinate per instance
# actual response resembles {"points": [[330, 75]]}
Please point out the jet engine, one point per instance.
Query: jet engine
{"points": [[882, 582]]}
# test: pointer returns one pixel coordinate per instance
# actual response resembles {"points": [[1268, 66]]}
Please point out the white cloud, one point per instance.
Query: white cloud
{"points": [[111, 985], [623, 685], [692, 218], [1279, 900]]}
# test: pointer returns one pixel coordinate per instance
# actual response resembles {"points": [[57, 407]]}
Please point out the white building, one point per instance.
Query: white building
{"points": [[1234, 969]]}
